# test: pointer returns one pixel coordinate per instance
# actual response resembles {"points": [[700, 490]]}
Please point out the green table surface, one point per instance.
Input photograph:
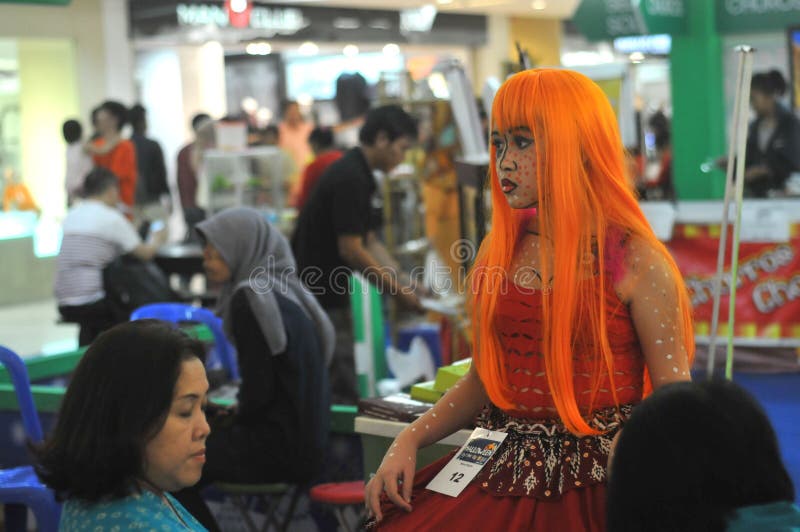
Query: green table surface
{"points": [[48, 398]]}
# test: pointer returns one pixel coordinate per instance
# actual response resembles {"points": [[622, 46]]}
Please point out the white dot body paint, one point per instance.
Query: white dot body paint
{"points": [[674, 370], [669, 357], [659, 342], [391, 454], [452, 405]]}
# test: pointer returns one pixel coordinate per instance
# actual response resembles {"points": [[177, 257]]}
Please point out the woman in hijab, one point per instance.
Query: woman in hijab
{"points": [[284, 341]]}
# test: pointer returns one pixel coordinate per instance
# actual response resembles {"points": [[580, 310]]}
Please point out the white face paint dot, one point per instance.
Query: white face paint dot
{"points": [[669, 357], [452, 405], [428, 426], [413, 429], [659, 342], [674, 370], [391, 454], [433, 414]]}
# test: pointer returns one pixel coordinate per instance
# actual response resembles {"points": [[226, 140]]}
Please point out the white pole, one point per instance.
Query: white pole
{"points": [[741, 149], [723, 239]]}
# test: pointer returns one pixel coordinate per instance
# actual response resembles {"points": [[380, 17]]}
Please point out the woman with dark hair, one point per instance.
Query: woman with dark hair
{"points": [[113, 152], [773, 140], [131, 429], [699, 457]]}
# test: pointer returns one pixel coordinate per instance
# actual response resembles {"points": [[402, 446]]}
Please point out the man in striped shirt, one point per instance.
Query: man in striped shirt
{"points": [[95, 233]]}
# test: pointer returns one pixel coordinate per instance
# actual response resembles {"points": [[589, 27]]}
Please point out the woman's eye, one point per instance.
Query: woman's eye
{"points": [[498, 144], [186, 414], [523, 142]]}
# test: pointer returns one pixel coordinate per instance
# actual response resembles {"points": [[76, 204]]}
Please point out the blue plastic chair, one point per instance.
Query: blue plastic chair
{"points": [[20, 486], [178, 312]]}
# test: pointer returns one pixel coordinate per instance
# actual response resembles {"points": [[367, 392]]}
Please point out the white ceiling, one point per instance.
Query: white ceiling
{"points": [[558, 9]]}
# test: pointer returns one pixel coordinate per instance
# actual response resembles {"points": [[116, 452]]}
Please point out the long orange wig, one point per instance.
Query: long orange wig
{"points": [[583, 191]]}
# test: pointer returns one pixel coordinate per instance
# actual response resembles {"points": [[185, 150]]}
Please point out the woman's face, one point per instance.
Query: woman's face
{"points": [[105, 122], [174, 458], [762, 103], [515, 162], [217, 270]]}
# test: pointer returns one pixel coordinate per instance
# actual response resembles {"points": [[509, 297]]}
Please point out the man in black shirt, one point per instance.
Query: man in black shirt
{"points": [[336, 234]]}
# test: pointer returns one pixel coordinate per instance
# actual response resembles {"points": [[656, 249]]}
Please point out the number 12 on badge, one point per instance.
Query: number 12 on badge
{"points": [[467, 463]]}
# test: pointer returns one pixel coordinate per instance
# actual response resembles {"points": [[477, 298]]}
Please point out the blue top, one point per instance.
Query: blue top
{"points": [[142, 511], [774, 517]]}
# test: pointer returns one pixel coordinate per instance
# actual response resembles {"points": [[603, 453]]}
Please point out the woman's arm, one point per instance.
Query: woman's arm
{"points": [[452, 412], [651, 290]]}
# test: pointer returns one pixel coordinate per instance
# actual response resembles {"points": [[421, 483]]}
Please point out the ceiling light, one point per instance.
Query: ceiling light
{"points": [[249, 105], [346, 23], [539, 5], [380, 24], [238, 6], [444, 2], [304, 100], [308, 48], [258, 48], [263, 116], [350, 50], [637, 57], [391, 49]]}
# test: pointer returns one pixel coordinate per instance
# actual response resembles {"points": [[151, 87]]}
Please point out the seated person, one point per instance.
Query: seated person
{"points": [[699, 457], [131, 429], [95, 233], [16, 196], [284, 342]]}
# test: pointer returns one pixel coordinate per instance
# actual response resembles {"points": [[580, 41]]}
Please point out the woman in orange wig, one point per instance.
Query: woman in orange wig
{"points": [[577, 312]]}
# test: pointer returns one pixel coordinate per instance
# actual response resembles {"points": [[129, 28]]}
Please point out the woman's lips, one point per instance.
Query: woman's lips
{"points": [[507, 185]]}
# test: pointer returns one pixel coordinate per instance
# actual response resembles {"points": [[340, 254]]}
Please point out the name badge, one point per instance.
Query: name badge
{"points": [[467, 462]]}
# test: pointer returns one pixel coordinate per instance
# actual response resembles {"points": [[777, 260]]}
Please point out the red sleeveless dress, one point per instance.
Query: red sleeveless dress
{"points": [[543, 478]]}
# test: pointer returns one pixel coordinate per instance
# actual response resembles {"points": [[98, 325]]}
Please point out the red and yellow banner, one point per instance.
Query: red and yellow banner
{"points": [[768, 282]]}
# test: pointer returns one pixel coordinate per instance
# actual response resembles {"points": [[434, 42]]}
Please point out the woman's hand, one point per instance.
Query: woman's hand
{"points": [[395, 476]]}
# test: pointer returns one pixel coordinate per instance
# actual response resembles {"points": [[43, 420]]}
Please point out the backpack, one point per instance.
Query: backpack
{"points": [[130, 283]]}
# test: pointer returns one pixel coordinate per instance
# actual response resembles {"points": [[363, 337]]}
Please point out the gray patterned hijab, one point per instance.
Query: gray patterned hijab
{"points": [[261, 263]]}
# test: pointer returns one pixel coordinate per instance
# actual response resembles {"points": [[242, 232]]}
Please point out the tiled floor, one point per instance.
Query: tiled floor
{"points": [[33, 328]]}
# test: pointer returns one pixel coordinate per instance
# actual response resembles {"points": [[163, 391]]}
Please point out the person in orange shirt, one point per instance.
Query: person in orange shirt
{"points": [[113, 152], [16, 196]]}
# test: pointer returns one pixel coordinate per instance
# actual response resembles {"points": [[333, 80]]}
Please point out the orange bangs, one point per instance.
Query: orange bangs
{"points": [[583, 190]]}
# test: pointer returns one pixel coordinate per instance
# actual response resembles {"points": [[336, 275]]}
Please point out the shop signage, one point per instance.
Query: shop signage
{"points": [[738, 16], [273, 21], [247, 19], [768, 282], [46, 2], [600, 20]]}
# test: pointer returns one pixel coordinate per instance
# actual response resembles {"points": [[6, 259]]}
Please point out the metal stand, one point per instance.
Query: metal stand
{"points": [[736, 161], [471, 175]]}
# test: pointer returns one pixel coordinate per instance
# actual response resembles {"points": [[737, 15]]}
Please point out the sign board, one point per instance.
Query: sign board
{"points": [[740, 16], [600, 20], [768, 294], [38, 2], [234, 20]]}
